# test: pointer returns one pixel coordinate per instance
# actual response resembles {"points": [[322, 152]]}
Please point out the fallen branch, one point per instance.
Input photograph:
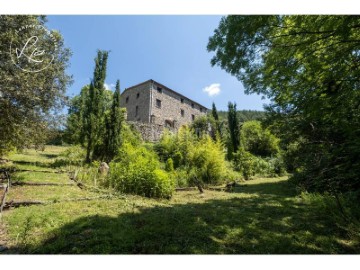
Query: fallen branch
{"points": [[13, 204], [185, 189], [41, 171], [19, 183], [23, 203]]}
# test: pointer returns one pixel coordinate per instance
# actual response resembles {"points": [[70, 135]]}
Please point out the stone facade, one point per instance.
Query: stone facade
{"points": [[159, 106]]}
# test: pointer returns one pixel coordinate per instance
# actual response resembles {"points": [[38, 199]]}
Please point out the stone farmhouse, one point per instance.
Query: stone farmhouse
{"points": [[152, 106]]}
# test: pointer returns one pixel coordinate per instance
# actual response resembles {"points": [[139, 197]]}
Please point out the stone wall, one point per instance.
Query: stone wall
{"points": [[149, 118], [138, 95], [150, 132], [171, 105]]}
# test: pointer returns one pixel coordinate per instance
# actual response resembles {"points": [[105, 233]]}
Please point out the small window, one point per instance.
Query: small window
{"points": [[192, 105], [182, 112], [182, 100], [158, 103], [168, 124], [200, 109], [159, 89], [136, 111], [137, 95], [127, 99], [192, 117]]}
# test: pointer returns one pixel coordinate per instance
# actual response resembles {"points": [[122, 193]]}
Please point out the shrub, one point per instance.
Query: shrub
{"points": [[181, 177], [169, 166], [136, 170], [89, 174], [202, 158], [259, 141], [244, 162], [207, 160], [73, 156]]}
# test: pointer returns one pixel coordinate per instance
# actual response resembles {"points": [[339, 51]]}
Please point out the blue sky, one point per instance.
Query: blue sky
{"points": [[168, 49]]}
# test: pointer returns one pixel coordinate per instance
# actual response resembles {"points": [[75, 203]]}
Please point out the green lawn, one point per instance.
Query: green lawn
{"points": [[262, 216]]}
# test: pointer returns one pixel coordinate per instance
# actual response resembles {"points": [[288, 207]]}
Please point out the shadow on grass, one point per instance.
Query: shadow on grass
{"points": [[280, 189], [50, 156], [36, 163], [255, 225]]}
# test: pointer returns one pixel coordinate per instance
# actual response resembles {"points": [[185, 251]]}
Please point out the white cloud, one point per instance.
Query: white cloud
{"points": [[212, 89], [109, 86]]}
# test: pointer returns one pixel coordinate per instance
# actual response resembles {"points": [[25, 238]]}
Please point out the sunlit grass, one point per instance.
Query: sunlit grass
{"points": [[261, 216]]}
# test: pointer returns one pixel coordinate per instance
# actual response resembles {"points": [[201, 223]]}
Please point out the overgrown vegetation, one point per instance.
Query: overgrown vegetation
{"points": [[308, 66], [262, 216], [28, 99]]}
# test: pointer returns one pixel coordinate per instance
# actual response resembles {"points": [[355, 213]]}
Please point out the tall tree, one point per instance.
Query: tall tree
{"points": [[28, 99], [218, 124], [94, 123], [234, 129], [308, 66], [214, 112], [114, 123]]}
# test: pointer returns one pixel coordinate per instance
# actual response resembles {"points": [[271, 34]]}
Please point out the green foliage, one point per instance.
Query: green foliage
{"points": [[208, 161], [201, 157], [308, 67], [94, 118], [258, 141], [243, 115], [234, 130], [74, 155], [28, 100], [169, 165], [205, 125], [250, 165], [89, 175], [136, 170], [113, 124]]}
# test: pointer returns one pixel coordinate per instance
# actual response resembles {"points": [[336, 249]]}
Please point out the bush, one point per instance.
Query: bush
{"points": [[73, 156], [169, 166], [89, 174], [202, 158], [259, 141], [244, 162], [207, 160], [137, 171], [250, 165], [181, 177]]}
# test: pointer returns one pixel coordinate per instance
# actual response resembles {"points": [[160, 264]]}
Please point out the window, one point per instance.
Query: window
{"points": [[182, 112], [192, 105], [182, 100], [127, 99], [192, 117], [200, 109], [158, 103], [168, 124], [136, 111], [137, 95], [159, 89]]}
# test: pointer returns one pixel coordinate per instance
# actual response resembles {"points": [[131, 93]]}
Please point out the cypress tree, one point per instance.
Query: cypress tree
{"points": [[95, 122], [214, 112], [234, 128], [114, 124]]}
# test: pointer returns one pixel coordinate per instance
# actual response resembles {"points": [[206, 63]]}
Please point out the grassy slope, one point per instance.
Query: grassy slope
{"points": [[261, 216]]}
